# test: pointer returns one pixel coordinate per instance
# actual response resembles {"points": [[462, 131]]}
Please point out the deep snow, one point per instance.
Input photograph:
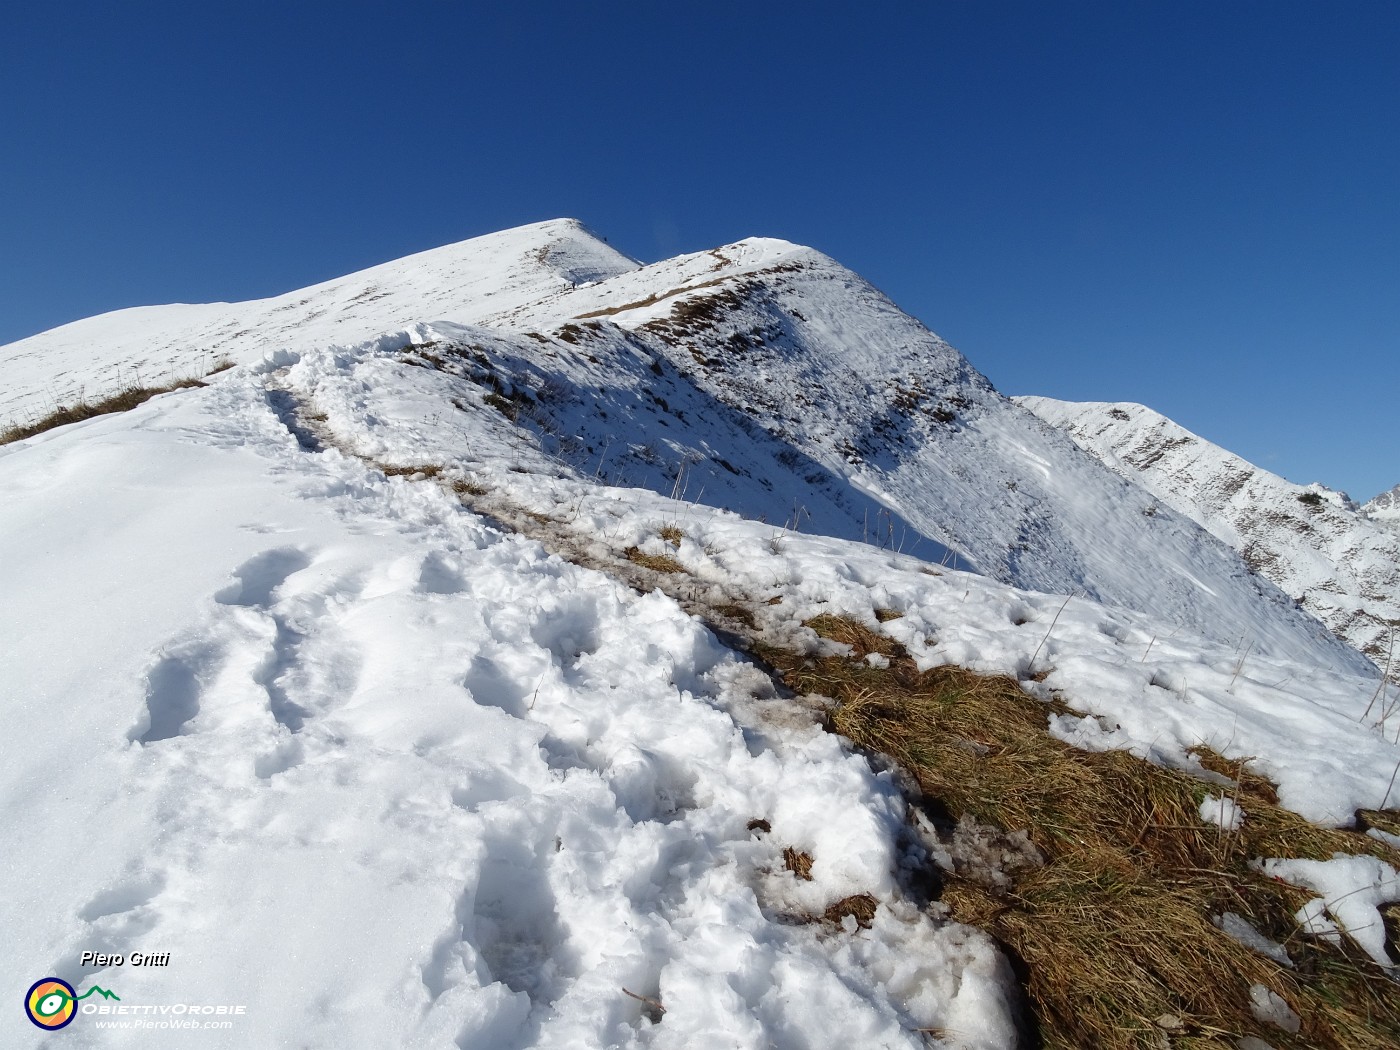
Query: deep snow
{"points": [[388, 776]]}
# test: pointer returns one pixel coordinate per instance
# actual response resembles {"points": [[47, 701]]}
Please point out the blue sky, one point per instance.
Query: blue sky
{"points": [[1191, 205]]}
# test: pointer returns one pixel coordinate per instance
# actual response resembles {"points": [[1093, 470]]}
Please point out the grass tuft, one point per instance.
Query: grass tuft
{"points": [[427, 470], [797, 862], [861, 907], [862, 639], [655, 562], [123, 400]]}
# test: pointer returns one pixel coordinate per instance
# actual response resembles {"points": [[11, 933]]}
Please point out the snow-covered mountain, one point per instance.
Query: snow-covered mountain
{"points": [[362, 685], [468, 281], [1384, 509], [1333, 557], [761, 376]]}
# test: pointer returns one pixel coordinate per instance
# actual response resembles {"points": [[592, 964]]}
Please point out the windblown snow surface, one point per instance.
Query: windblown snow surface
{"points": [[1338, 560], [382, 772]]}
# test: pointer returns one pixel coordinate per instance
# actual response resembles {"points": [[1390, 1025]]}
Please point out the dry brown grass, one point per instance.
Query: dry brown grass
{"points": [[861, 907], [468, 488], [1113, 935], [427, 470], [672, 534], [123, 400], [860, 638], [655, 562], [797, 862]]}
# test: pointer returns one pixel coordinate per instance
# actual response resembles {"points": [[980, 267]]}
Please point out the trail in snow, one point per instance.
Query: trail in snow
{"points": [[1325, 733], [391, 777]]}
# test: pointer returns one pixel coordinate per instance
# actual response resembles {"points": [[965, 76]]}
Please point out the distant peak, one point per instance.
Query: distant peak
{"points": [[1389, 500]]}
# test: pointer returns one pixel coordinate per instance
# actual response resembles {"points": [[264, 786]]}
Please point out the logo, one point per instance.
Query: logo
{"points": [[52, 1003]]}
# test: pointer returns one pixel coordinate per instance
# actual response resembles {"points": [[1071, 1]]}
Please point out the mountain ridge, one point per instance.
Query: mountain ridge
{"points": [[1317, 544], [836, 390]]}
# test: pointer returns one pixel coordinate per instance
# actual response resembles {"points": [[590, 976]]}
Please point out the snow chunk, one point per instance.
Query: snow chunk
{"points": [[1352, 889], [1312, 917], [275, 359], [1269, 1007], [1239, 929], [1222, 812]]}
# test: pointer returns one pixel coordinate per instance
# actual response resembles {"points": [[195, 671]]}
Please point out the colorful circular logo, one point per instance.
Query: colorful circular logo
{"points": [[51, 1003]]}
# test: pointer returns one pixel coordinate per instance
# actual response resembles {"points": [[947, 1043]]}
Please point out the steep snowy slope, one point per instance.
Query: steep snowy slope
{"points": [[373, 771], [760, 376], [293, 700], [1313, 542], [823, 362]]}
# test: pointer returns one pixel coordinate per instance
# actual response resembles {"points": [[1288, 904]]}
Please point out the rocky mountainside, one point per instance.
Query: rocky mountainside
{"points": [[1316, 544], [1384, 509], [761, 376]]}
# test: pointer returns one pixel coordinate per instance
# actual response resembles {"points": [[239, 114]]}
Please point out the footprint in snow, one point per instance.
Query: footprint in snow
{"points": [[261, 575], [173, 690], [440, 574], [114, 920]]}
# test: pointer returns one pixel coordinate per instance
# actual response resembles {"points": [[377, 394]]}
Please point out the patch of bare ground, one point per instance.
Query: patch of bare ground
{"points": [[1115, 933]]}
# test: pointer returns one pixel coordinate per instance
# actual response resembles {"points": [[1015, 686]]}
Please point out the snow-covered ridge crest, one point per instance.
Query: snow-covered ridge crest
{"points": [[460, 281], [781, 384], [1316, 544], [822, 361]]}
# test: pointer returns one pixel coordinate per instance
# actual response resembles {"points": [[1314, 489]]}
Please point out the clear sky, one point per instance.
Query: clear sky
{"points": [[1191, 205]]}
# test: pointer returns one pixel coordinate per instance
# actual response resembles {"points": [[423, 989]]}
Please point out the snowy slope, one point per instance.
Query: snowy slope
{"points": [[1314, 543], [387, 775], [801, 394], [1160, 689], [154, 344], [823, 362]]}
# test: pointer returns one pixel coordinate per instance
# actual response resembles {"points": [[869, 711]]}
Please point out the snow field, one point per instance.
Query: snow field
{"points": [[391, 777]]}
